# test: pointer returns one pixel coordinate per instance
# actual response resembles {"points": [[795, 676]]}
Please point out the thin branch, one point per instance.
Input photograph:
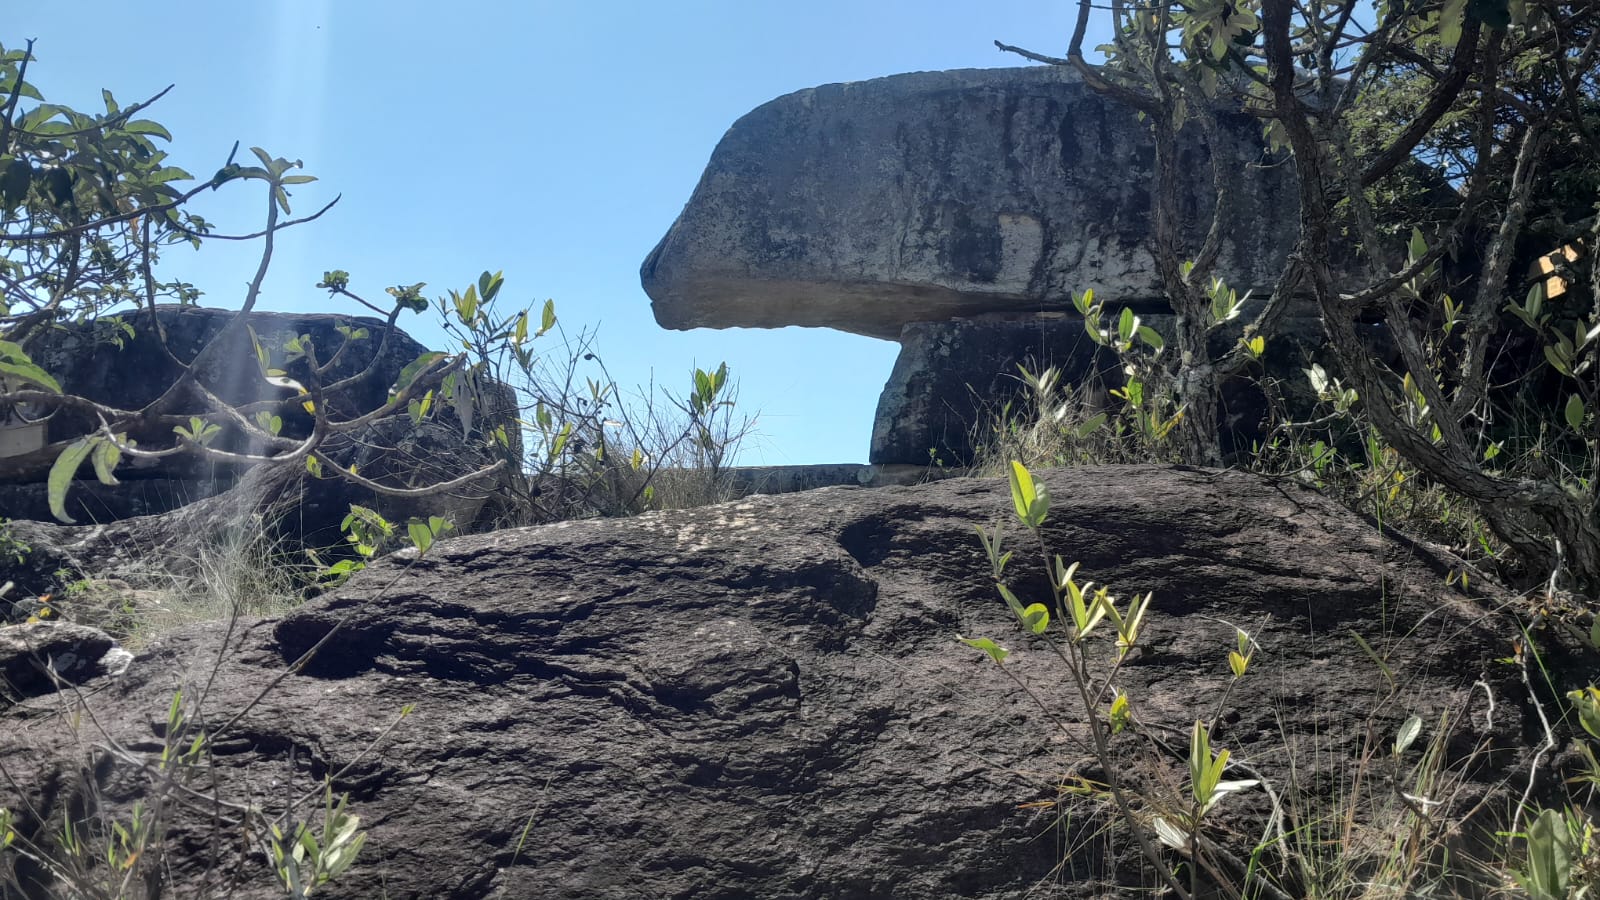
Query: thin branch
{"points": [[1440, 100], [256, 235], [96, 224], [215, 346], [1040, 57], [16, 95], [427, 491]]}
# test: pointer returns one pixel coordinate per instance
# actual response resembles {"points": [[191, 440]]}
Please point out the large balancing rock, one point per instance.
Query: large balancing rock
{"points": [[922, 197]]}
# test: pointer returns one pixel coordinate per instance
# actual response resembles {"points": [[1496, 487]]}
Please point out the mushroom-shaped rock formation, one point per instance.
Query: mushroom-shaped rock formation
{"points": [[956, 209], [917, 198]]}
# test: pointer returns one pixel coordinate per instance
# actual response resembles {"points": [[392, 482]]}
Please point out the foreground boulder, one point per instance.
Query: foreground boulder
{"points": [[916, 198], [766, 698]]}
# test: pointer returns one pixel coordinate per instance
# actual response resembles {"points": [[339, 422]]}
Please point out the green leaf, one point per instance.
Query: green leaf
{"points": [[167, 174], [409, 373], [1086, 612], [1036, 617], [28, 373], [1091, 327], [1587, 702], [1089, 426], [40, 114], [1127, 323], [466, 305], [1557, 360], [145, 126], [418, 409], [105, 457], [995, 651], [1574, 412], [421, 536], [547, 319], [61, 474], [1550, 848], [1451, 18], [1388, 674], [1408, 734], [489, 285], [1011, 600], [1121, 713], [1238, 663], [1031, 500], [1151, 337], [1201, 779]]}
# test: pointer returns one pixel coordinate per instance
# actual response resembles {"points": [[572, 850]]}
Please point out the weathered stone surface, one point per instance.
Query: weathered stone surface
{"points": [[106, 365], [953, 377], [916, 198], [91, 501], [766, 698], [296, 510], [391, 451], [35, 656], [747, 480], [102, 362]]}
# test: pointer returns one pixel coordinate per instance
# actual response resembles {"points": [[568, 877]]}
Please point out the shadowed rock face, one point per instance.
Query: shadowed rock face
{"points": [[128, 371], [917, 198], [767, 699], [131, 370], [953, 379]]}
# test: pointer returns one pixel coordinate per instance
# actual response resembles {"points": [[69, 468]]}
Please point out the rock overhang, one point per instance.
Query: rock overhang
{"points": [[870, 205]]}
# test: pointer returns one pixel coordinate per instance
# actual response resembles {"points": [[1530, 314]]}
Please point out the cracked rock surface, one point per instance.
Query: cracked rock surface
{"points": [[767, 698]]}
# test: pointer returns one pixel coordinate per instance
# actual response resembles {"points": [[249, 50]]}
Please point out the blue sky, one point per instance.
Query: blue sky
{"points": [[556, 142]]}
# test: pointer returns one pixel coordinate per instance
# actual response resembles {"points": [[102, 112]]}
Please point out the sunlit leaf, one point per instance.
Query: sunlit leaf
{"points": [[61, 474], [1121, 713], [1036, 616], [1409, 730], [995, 651], [1031, 499], [105, 457]]}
